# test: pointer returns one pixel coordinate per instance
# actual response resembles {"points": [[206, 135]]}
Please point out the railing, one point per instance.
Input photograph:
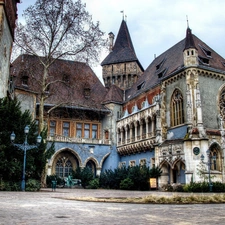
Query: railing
{"points": [[60, 138]]}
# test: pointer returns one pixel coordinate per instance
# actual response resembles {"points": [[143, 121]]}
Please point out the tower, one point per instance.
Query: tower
{"points": [[121, 66]]}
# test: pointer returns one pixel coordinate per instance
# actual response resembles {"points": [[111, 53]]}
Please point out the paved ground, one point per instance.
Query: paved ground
{"points": [[45, 208]]}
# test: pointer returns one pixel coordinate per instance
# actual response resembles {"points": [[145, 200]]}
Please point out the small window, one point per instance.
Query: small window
{"points": [[204, 60], [66, 129], [87, 92], [161, 74], [206, 51], [132, 163], [94, 131], [122, 164], [79, 130], [52, 126], [87, 130], [158, 66], [140, 86], [25, 80], [143, 162], [66, 78]]}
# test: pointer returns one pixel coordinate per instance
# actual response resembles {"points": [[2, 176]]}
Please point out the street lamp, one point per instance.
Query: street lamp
{"points": [[24, 147], [208, 163]]}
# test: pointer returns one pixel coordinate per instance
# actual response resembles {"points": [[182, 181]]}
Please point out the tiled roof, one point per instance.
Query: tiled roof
{"points": [[172, 61], [115, 95], [123, 50], [80, 86]]}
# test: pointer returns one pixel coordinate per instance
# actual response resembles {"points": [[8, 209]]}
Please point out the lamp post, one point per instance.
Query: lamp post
{"points": [[24, 147], [208, 163]]}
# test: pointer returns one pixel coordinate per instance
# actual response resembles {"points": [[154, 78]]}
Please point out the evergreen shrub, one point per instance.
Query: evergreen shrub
{"points": [[94, 184], [126, 184], [33, 185]]}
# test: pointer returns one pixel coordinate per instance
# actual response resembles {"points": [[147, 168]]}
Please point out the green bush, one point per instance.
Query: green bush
{"points": [[33, 185], [56, 178], [139, 175], [85, 175], [127, 184], [94, 184], [204, 187], [10, 186]]}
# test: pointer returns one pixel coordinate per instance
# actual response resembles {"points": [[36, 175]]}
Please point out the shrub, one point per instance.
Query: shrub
{"points": [[33, 185], [204, 187], [94, 184], [178, 187], [10, 186], [167, 187], [85, 175], [126, 184], [56, 178]]}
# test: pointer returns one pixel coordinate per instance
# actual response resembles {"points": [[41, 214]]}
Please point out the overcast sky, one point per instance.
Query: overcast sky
{"points": [[156, 25]]}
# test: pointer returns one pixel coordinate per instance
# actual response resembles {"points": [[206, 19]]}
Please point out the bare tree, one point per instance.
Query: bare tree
{"points": [[53, 30]]}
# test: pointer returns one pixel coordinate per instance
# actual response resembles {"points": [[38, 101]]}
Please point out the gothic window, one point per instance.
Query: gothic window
{"points": [[177, 109], [222, 104], [215, 158], [63, 167]]}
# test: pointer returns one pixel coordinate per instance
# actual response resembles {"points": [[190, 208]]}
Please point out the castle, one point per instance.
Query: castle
{"points": [[169, 115]]}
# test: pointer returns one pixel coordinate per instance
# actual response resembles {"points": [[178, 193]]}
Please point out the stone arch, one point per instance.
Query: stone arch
{"points": [[61, 159], [91, 159], [92, 163], [176, 102], [221, 102], [216, 151], [103, 159]]}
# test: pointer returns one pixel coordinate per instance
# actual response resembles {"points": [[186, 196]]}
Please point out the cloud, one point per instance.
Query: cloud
{"points": [[156, 25]]}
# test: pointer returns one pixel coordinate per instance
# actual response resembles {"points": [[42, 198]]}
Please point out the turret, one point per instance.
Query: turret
{"points": [[190, 52]]}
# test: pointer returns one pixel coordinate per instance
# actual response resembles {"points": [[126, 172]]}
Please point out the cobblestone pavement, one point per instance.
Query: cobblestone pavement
{"points": [[45, 208]]}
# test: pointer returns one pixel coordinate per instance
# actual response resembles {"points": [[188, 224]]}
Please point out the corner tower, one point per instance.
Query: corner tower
{"points": [[121, 67], [190, 51]]}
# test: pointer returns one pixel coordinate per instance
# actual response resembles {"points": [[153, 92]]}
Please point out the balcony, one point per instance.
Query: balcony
{"points": [[60, 138], [141, 144]]}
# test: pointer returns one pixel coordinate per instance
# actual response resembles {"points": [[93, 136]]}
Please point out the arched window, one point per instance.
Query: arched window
{"points": [[63, 167], [215, 157], [222, 104], [177, 109]]}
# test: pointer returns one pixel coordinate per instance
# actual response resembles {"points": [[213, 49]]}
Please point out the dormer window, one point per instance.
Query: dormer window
{"points": [[141, 85], [204, 60], [158, 66], [87, 92], [66, 78], [206, 51], [161, 74], [25, 80]]}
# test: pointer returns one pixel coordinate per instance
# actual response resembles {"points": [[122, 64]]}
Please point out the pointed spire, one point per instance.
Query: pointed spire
{"points": [[189, 41], [123, 39], [123, 49]]}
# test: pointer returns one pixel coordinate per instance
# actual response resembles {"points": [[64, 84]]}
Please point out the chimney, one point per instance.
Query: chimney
{"points": [[111, 40]]}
